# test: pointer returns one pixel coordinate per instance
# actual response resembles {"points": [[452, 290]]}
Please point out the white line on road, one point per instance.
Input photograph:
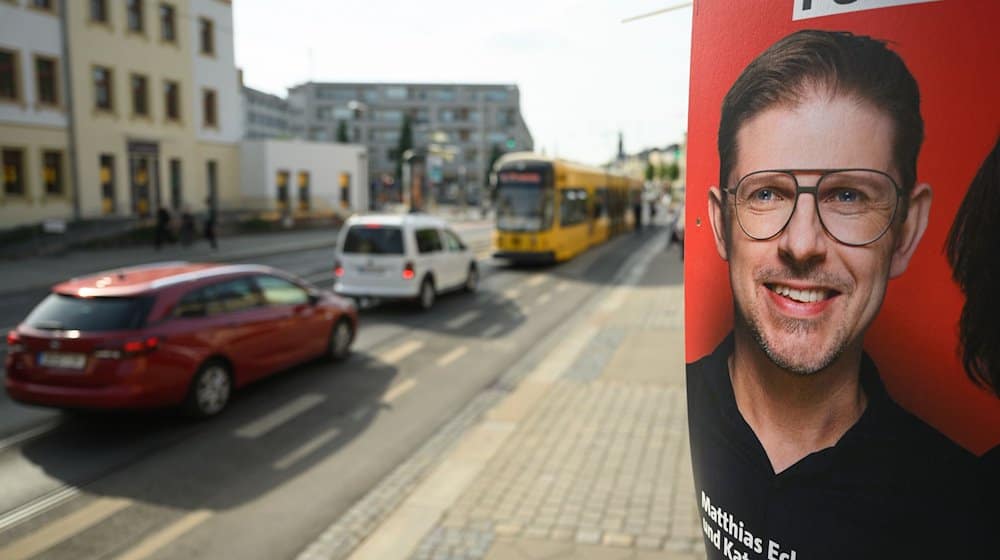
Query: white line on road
{"points": [[511, 293], [562, 286], [267, 423], [28, 434], [492, 331], [54, 533], [398, 390], [536, 280], [165, 536], [463, 319], [397, 354], [39, 505], [543, 299], [306, 449], [452, 356]]}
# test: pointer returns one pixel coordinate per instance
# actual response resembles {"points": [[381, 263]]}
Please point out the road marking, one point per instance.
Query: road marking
{"points": [[492, 331], [398, 390], [28, 434], [165, 536], [543, 299], [463, 319], [54, 533], [562, 286], [39, 505], [306, 449], [484, 255], [397, 354], [536, 280], [264, 425], [452, 356], [511, 293]]}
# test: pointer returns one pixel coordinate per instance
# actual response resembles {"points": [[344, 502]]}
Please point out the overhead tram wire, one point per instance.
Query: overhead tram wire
{"points": [[658, 12]]}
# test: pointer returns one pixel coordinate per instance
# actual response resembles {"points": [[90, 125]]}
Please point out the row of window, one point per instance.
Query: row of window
{"points": [[136, 22], [405, 93], [104, 99], [503, 117], [46, 78], [15, 169]]}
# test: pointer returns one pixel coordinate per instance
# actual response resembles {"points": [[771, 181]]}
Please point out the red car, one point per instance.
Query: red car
{"points": [[171, 334]]}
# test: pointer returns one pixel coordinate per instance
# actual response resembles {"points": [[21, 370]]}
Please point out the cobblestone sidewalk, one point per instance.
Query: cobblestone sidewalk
{"points": [[600, 466]]}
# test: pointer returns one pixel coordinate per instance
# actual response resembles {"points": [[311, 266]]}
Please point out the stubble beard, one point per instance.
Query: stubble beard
{"points": [[793, 362]]}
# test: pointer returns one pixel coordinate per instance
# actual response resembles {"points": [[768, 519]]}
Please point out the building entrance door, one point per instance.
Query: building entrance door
{"points": [[144, 177]]}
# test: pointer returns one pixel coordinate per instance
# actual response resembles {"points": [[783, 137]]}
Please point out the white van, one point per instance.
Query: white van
{"points": [[408, 256]]}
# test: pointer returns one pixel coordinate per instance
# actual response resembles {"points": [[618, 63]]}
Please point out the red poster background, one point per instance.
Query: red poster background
{"points": [[952, 48]]}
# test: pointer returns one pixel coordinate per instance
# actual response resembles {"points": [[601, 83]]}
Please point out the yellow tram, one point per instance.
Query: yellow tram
{"points": [[550, 210]]}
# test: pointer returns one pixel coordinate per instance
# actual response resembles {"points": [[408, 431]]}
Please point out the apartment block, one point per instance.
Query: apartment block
{"points": [[463, 122], [140, 107], [33, 115]]}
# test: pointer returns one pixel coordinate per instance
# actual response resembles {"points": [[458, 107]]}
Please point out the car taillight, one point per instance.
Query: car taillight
{"points": [[338, 269], [130, 349], [408, 272], [14, 342]]}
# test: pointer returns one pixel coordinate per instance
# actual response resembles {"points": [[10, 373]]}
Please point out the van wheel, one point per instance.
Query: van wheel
{"points": [[425, 300], [472, 280], [210, 390], [341, 337]]}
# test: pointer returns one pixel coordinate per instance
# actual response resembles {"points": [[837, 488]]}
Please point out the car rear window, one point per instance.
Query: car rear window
{"points": [[65, 312], [374, 240]]}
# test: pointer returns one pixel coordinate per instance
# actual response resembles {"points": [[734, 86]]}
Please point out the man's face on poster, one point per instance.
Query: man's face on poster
{"points": [[804, 296]]}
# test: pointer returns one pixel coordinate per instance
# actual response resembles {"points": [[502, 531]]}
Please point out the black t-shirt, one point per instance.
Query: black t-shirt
{"points": [[892, 487]]}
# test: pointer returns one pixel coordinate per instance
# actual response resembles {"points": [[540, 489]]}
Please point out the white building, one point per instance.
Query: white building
{"points": [[296, 176]]}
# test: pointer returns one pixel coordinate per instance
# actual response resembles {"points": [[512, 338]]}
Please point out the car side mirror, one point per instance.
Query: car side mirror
{"points": [[314, 299]]}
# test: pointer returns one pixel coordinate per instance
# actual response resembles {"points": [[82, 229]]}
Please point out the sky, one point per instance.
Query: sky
{"points": [[582, 73]]}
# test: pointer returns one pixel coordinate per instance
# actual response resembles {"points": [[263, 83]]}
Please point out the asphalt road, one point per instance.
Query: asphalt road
{"points": [[293, 452]]}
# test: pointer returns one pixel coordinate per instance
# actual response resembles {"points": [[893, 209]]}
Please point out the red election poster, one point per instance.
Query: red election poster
{"points": [[831, 144]]}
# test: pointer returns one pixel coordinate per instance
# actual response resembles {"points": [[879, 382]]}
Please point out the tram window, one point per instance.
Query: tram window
{"points": [[572, 207], [428, 240]]}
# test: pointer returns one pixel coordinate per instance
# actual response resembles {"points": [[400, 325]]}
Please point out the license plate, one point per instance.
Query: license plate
{"points": [[62, 360], [371, 270]]}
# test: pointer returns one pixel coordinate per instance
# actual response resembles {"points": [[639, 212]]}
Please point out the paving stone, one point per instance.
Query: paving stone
{"points": [[586, 536], [617, 539]]}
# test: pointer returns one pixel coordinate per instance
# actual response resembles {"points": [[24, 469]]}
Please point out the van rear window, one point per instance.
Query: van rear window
{"points": [[368, 240], [64, 312]]}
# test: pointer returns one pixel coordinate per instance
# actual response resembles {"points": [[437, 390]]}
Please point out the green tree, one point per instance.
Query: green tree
{"points": [[673, 172], [405, 143], [342, 132], [650, 171], [495, 152]]}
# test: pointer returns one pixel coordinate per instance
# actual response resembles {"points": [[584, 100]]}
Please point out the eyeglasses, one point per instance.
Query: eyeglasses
{"points": [[855, 206]]}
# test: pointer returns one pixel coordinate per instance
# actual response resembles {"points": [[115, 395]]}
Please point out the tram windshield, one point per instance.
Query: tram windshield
{"points": [[523, 202]]}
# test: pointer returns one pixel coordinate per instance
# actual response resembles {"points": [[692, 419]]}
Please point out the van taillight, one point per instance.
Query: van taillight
{"points": [[14, 342], [338, 269], [408, 272]]}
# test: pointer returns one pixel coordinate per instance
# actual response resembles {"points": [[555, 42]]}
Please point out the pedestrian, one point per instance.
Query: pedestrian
{"points": [[187, 227], [210, 224], [637, 215], [162, 231]]}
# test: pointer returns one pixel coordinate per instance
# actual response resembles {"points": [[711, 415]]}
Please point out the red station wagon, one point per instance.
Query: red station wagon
{"points": [[171, 334]]}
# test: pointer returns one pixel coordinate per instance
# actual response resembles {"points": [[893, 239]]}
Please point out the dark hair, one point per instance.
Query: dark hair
{"points": [[844, 64], [972, 248]]}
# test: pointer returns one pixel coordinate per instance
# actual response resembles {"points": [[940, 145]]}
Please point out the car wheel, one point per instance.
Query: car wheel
{"points": [[426, 297], [341, 337], [210, 390], [472, 280]]}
